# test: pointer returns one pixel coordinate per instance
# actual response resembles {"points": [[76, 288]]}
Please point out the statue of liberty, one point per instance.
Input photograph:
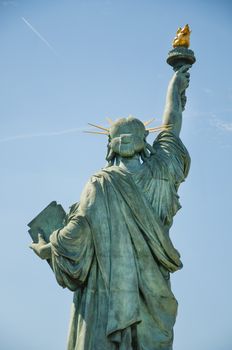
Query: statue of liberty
{"points": [[115, 252]]}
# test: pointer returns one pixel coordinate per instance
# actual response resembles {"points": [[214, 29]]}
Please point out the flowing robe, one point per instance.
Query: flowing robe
{"points": [[116, 255]]}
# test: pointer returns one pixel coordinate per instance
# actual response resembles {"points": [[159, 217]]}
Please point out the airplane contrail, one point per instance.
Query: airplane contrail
{"points": [[42, 134], [39, 35]]}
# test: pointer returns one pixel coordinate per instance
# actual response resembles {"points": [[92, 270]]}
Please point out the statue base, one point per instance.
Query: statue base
{"points": [[180, 56]]}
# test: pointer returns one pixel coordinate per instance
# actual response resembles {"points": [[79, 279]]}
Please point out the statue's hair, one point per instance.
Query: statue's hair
{"points": [[144, 154]]}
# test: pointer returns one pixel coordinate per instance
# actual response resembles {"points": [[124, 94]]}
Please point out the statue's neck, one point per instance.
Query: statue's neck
{"points": [[132, 164]]}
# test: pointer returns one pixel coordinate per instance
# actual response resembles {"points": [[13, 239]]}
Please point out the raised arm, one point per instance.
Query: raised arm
{"points": [[176, 99]]}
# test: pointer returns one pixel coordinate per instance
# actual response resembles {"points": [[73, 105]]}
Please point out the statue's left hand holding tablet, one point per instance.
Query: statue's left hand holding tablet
{"points": [[41, 227], [42, 248]]}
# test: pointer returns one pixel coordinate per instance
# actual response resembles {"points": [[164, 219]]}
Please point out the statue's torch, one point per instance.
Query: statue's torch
{"points": [[181, 55]]}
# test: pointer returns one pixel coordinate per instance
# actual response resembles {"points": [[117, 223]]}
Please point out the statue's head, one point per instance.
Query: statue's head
{"points": [[126, 138]]}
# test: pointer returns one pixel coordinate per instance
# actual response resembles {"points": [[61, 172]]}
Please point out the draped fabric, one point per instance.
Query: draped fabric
{"points": [[116, 254]]}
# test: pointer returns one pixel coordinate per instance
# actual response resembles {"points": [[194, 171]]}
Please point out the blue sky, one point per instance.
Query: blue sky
{"points": [[66, 63]]}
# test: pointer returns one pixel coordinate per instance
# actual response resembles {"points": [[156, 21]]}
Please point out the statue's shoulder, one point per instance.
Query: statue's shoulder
{"points": [[168, 143], [96, 179], [98, 176], [94, 189], [171, 157], [104, 173]]}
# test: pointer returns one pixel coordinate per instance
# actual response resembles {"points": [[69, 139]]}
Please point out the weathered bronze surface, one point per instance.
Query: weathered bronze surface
{"points": [[114, 250]]}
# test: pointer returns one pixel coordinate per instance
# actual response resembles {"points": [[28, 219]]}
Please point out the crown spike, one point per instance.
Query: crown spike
{"points": [[99, 127], [96, 132], [156, 128], [148, 122], [161, 127]]}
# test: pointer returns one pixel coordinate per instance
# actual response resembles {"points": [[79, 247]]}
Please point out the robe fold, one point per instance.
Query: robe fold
{"points": [[115, 253]]}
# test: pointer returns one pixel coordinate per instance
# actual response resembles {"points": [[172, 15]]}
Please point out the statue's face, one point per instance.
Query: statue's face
{"points": [[127, 137]]}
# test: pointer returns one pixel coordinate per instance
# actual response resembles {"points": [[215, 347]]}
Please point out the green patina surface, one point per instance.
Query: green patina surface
{"points": [[115, 252]]}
